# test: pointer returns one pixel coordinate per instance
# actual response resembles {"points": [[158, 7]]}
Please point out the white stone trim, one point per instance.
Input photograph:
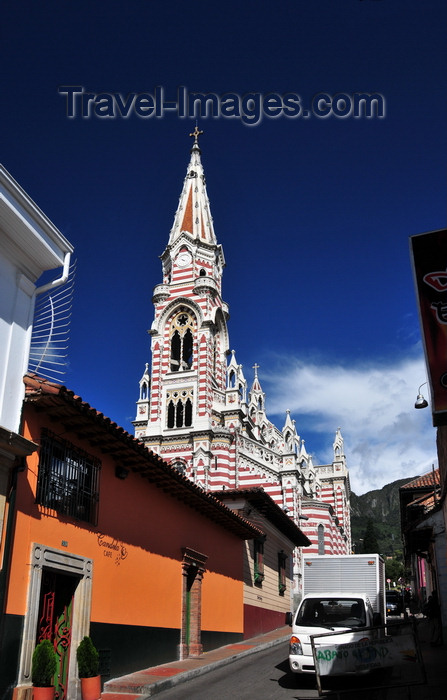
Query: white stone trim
{"points": [[64, 562]]}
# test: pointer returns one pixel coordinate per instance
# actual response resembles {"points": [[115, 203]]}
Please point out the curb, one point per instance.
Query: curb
{"points": [[151, 689]]}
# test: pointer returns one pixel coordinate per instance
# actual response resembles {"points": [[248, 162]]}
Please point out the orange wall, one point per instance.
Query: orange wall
{"points": [[139, 580]]}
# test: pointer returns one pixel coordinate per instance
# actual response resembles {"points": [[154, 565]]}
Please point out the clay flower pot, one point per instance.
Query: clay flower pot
{"points": [[91, 688], [43, 693]]}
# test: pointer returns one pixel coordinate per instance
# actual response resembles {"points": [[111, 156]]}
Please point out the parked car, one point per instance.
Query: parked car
{"points": [[394, 603]]}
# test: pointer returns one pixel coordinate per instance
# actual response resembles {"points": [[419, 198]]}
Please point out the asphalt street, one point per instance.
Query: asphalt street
{"points": [[263, 675]]}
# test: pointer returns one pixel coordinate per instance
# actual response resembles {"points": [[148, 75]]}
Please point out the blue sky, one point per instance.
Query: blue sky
{"points": [[314, 214]]}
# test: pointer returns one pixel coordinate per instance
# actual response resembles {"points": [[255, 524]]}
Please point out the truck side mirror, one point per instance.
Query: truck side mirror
{"points": [[289, 619], [377, 619]]}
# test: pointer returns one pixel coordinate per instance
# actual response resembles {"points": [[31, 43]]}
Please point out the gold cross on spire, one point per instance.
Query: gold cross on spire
{"points": [[196, 133]]}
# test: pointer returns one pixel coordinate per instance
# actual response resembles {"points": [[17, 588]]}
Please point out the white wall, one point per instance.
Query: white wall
{"points": [[30, 244]]}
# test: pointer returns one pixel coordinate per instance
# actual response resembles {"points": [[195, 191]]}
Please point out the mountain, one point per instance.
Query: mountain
{"points": [[382, 508]]}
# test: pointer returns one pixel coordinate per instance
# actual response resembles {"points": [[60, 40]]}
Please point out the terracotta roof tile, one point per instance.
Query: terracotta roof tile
{"points": [[65, 406], [423, 482]]}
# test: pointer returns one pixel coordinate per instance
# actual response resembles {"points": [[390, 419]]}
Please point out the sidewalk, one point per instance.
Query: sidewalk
{"points": [[435, 662], [147, 683]]}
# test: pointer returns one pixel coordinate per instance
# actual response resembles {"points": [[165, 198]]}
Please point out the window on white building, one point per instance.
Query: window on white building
{"points": [[179, 408]]}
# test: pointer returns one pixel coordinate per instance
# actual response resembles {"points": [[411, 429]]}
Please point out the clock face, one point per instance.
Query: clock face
{"points": [[183, 259]]}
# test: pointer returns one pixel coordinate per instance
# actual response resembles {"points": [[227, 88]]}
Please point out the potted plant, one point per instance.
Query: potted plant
{"points": [[88, 669], [44, 665]]}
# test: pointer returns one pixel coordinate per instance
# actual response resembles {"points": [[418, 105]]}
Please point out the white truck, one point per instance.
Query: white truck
{"points": [[341, 593]]}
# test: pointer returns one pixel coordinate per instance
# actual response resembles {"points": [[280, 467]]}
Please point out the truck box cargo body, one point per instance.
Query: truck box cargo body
{"points": [[343, 593], [364, 573]]}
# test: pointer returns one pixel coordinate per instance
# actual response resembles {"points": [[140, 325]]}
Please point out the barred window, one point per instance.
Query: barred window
{"points": [[68, 480], [282, 573]]}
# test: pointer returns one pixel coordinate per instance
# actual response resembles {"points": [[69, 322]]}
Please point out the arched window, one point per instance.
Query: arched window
{"points": [[182, 342], [180, 466], [232, 379], [175, 351], [143, 393], [321, 539], [179, 414], [179, 408], [187, 350], [171, 414], [202, 273]]}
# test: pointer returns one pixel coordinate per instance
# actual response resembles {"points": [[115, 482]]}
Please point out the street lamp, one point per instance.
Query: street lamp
{"points": [[421, 402]]}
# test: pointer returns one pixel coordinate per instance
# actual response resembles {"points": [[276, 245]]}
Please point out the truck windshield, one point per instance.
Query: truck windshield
{"points": [[332, 612]]}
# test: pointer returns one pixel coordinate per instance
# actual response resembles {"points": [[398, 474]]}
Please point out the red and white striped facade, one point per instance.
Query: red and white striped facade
{"points": [[194, 409]]}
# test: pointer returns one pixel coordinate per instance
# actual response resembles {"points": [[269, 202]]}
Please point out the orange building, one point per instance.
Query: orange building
{"points": [[105, 539]]}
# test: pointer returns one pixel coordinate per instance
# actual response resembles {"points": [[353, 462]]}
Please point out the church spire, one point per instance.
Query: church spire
{"points": [[256, 397], [193, 215]]}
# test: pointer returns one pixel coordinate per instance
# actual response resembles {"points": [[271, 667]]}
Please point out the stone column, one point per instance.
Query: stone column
{"points": [[193, 568]]}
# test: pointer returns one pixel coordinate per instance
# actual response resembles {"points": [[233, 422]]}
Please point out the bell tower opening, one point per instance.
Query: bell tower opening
{"points": [[182, 342]]}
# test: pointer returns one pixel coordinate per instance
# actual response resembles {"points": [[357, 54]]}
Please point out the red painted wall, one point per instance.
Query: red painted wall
{"points": [[259, 620]]}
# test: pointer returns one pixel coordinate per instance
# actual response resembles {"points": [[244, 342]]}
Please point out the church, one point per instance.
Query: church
{"points": [[195, 407]]}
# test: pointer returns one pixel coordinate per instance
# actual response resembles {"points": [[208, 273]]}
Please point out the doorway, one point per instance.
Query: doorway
{"points": [[58, 608], [55, 620]]}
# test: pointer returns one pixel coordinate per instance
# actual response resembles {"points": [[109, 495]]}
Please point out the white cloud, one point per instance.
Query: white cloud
{"points": [[385, 437]]}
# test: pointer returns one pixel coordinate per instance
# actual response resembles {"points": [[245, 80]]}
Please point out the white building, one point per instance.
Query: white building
{"points": [[29, 246]]}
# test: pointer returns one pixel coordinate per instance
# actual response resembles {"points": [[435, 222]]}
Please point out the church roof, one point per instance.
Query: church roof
{"points": [[193, 214], [69, 410]]}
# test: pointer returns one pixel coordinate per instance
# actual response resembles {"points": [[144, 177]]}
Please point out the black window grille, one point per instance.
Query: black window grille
{"points": [[68, 480]]}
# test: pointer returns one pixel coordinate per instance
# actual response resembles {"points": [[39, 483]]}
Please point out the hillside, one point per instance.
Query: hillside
{"points": [[382, 507]]}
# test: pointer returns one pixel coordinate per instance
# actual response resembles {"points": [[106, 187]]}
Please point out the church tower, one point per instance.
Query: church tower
{"points": [[189, 337], [194, 407]]}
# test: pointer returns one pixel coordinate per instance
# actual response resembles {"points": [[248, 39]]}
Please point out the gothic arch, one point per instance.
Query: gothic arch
{"points": [[179, 407], [175, 306], [219, 321], [182, 332]]}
